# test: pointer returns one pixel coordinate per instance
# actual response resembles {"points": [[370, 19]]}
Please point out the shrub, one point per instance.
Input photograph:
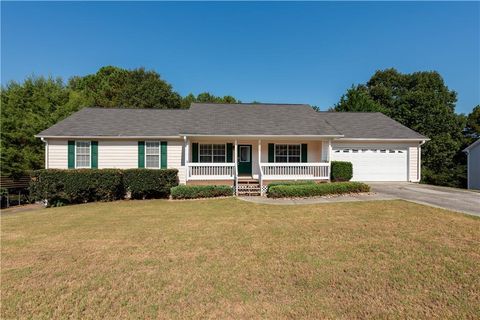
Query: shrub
{"points": [[312, 190], [60, 187], [149, 183], [284, 183], [341, 171], [192, 192]]}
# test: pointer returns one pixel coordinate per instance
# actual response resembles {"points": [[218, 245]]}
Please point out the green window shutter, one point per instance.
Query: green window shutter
{"points": [[163, 154], [94, 154], [304, 152], [71, 154], [194, 152], [141, 154], [229, 152], [271, 152]]}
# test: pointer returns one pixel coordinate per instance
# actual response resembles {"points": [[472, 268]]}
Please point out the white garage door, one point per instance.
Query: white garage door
{"points": [[374, 164]]}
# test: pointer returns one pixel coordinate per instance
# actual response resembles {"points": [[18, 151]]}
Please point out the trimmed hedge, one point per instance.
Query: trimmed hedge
{"points": [[193, 192], [288, 183], [148, 183], [60, 187], [312, 190], [341, 171]]}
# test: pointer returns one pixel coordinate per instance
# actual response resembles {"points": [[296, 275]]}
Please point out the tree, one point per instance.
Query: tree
{"points": [[358, 99], [113, 87], [422, 102], [206, 97], [27, 109], [472, 129], [37, 103]]}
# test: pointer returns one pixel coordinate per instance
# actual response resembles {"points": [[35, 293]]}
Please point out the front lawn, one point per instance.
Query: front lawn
{"points": [[232, 259]]}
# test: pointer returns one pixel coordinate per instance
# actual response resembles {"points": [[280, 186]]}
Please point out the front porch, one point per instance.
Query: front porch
{"points": [[258, 162]]}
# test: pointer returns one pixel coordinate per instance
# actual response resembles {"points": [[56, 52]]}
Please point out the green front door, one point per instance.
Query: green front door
{"points": [[245, 159]]}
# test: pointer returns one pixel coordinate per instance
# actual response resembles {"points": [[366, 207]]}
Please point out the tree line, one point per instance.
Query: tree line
{"points": [[39, 102], [419, 100]]}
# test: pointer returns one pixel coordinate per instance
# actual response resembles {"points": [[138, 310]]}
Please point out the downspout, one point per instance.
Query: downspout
{"points": [[186, 154], [46, 151], [419, 159]]}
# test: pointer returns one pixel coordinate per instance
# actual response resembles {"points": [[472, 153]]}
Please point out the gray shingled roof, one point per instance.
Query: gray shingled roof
{"points": [[100, 122], [256, 119], [369, 125], [228, 119]]}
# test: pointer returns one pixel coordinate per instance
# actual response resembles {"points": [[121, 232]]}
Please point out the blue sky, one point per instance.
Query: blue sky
{"points": [[269, 52]]}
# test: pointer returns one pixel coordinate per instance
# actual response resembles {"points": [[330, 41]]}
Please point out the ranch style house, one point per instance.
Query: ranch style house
{"points": [[246, 146]]}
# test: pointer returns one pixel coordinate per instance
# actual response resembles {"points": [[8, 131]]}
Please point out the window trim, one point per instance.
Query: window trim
{"points": [[288, 156], [89, 154], [159, 154], [211, 144]]}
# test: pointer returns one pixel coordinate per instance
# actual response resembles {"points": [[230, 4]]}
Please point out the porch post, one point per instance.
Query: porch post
{"points": [[187, 142], [329, 158], [236, 167], [329, 150], [259, 165]]}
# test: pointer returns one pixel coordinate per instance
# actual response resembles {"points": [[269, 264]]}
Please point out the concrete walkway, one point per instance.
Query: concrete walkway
{"points": [[460, 200]]}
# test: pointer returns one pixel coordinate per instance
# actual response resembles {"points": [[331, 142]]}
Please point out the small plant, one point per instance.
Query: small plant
{"points": [[341, 171], [313, 190], [193, 192]]}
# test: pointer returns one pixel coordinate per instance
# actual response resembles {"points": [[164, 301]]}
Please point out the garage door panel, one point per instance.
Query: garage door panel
{"points": [[374, 164]]}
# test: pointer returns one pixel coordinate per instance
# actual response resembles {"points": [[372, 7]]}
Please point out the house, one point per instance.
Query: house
{"points": [[473, 165], [243, 145]]}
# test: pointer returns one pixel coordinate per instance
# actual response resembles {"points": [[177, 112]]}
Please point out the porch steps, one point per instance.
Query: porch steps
{"points": [[248, 187]]}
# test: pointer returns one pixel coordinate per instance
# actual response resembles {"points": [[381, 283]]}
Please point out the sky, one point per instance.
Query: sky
{"points": [[295, 52]]}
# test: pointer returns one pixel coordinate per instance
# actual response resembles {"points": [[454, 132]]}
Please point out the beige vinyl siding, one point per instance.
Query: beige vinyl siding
{"points": [[120, 154], [175, 155], [57, 151], [116, 153]]}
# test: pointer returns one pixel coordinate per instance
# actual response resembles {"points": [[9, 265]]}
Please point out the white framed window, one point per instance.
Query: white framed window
{"points": [[244, 153], [152, 154], [287, 153], [82, 154], [215, 153]]}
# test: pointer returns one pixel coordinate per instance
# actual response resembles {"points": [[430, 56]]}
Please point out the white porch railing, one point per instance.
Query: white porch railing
{"points": [[207, 171], [308, 170]]}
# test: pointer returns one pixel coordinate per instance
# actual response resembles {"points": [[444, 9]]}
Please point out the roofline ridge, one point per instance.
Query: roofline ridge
{"points": [[251, 103]]}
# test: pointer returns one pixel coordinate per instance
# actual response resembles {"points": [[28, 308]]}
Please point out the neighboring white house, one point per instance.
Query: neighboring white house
{"points": [[243, 145], [473, 165]]}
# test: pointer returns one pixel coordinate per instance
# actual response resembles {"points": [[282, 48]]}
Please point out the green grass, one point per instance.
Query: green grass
{"points": [[227, 258]]}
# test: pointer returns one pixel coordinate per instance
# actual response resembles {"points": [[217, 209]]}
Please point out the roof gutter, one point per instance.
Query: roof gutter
{"points": [[385, 139], [108, 137], [260, 135]]}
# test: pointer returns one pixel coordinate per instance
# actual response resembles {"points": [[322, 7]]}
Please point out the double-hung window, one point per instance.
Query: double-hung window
{"points": [[152, 154], [82, 154], [287, 153], [212, 153]]}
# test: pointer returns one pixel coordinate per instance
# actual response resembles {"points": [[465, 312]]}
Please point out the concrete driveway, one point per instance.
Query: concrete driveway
{"points": [[448, 198]]}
